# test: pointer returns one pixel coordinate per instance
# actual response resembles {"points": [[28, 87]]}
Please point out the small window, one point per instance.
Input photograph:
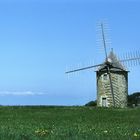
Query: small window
{"points": [[105, 76]]}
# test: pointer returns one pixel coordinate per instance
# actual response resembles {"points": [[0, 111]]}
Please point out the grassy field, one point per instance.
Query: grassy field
{"points": [[68, 123]]}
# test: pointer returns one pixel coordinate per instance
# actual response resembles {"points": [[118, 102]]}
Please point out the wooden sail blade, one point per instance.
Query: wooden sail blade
{"points": [[104, 41], [84, 68], [111, 86], [130, 59]]}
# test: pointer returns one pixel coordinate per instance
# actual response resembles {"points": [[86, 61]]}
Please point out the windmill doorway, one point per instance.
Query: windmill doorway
{"points": [[104, 102]]}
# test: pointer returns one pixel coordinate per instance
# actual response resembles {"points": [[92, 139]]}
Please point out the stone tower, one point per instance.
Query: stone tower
{"points": [[119, 76]]}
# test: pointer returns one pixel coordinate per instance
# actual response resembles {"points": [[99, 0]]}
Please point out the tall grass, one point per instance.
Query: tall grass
{"points": [[68, 123]]}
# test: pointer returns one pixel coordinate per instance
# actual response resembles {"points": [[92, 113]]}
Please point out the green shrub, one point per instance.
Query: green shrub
{"points": [[91, 103], [134, 99]]}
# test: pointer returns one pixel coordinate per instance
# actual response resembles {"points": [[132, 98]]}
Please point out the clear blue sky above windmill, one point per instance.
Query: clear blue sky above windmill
{"points": [[39, 38]]}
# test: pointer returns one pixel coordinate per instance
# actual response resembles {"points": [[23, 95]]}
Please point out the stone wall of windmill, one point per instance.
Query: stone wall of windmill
{"points": [[120, 88]]}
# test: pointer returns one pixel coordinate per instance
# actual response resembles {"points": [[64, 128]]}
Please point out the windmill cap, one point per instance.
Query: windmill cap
{"points": [[114, 62]]}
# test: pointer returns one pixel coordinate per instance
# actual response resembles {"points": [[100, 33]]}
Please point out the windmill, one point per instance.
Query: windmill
{"points": [[112, 78]]}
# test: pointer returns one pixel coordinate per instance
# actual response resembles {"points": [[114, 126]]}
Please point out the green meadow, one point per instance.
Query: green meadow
{"points": [[68, 123]]}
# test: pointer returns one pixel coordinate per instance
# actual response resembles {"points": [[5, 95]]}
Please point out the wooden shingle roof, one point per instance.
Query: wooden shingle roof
{"points": [[113, 63]]}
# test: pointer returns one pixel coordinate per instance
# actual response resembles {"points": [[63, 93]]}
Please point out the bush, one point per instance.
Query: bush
{"points": [[91, 103], [134, 99]]}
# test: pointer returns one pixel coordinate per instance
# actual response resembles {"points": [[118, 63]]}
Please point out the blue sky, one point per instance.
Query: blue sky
{"points": [[40, 38]]}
